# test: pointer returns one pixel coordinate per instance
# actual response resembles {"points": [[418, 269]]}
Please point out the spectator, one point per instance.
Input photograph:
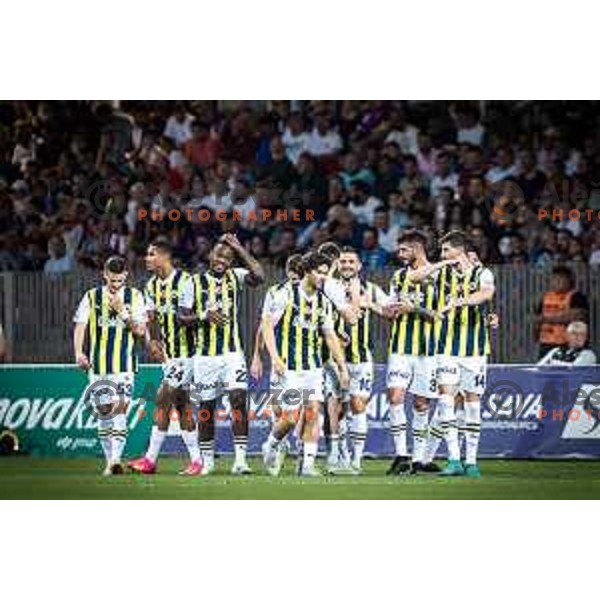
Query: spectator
{"points": [[444, 177], [575, 351], [372, 256], [558, 307], [59, 261], [470, 130], [402, 133], [504, 168], [179, 125], [295, 138], [387, 233], [324, 140], [203, 149], [362, 205]]}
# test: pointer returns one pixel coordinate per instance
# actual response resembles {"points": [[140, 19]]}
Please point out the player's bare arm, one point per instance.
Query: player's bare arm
{"points": [[81, 357], [424, 272], [257, 273], [481, 296], [268, 332], [256, 363]]}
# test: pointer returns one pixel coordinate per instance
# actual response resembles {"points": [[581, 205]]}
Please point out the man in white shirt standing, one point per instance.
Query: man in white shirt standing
{"points": [[444, 176]]}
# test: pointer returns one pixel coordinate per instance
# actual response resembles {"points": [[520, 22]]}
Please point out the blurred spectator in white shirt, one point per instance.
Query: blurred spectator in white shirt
{"points": [[59, 261], [295, 139], [179, 126], [324, 139]]}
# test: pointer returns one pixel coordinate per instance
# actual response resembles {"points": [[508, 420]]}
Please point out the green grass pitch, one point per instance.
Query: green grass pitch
{"points": [[43, 478]]}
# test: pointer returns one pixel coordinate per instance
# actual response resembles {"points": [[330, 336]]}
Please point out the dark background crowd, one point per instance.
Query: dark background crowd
{"points": [[74, 174]]}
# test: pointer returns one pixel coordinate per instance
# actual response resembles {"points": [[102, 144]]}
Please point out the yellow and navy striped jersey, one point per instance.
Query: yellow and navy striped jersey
{"points": [[212, 292], [462, 331], [300, 323], [110, 344], [412, 334], [163, 297], [356, 339]]}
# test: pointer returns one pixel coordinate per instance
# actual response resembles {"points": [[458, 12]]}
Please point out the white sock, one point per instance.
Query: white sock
{"points": [[359, 430], [334, 447], [435, 435], [157, 438], [460, 426], [104, 435], [448, 425], [398, 428], [190, 438], [273, 442], [419, 428], [472, 430], [207, 450], [240, 443], [310, 453], [119, 437], [343, 433]]}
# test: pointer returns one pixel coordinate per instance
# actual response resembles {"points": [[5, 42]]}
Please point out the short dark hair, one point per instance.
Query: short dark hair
{"points": [[413, 236], [330, 250], [116, 265], [350, 250], [564, 271], [163, 244], [311, 261], [456, 239], [295, 264]]}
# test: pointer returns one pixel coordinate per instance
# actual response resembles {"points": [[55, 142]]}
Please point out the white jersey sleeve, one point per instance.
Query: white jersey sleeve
{"points": [[82, 314], [486, 278], [138, 307], [186, 298], [241, 274], [335, 292], [149, 297], [327, 324], [276, 301], [380, 298]]}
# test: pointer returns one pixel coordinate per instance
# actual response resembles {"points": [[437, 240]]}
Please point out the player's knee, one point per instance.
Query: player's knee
{"points": [[396, 395], [421, 403]]}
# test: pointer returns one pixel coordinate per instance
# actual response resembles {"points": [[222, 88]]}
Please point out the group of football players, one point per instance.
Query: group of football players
{"points": [[314, 333]]}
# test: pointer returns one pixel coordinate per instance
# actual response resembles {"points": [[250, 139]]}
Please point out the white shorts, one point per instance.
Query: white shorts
{"points": [[361, 379], [294, 388], [104, 390], [178, 372], [215, 374], [416, 374], [466, 373]]}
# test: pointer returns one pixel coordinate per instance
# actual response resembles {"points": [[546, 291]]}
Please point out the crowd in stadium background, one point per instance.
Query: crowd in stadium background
{"points": [[74, 174]]}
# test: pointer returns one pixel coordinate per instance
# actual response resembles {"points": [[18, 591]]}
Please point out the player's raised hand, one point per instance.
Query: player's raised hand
{"points": [[232, 241], [83, 362], [116, 303]]}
